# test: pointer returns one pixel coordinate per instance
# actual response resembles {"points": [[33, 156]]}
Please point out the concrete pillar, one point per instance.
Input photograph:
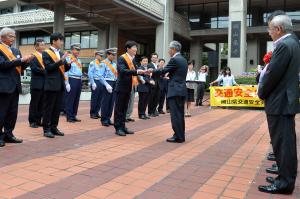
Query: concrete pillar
{"points": [[164, 31], [17, 8], [113, 35], [102, 39], [196, 51], [59, 17], [252, 53], [17, 41], [237, 33]]}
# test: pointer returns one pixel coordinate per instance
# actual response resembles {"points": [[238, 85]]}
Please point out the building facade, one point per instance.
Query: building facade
{"points": [[215, 32]]}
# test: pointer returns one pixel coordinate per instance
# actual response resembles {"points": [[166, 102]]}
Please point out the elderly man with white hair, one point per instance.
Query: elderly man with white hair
{"points": [[177, 69], [279, 88], [11, 66]]}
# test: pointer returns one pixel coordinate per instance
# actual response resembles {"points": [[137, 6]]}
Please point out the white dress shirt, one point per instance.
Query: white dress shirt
{"points": [[56, 51]]}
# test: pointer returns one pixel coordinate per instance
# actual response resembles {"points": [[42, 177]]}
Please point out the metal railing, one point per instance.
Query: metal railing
{"points": [[29, 17]]}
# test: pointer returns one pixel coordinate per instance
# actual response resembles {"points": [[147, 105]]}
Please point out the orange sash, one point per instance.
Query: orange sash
{"points": [[10, 56], [115, 72], [39, 58], [75, 60], [97, 62], [131, 67], [56, 59]]}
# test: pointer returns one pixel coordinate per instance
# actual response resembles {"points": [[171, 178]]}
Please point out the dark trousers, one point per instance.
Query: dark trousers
{"points": [[177, 116], [52, 104], [72, 98], [143, 102], [96, 98], [36, 106], [200, 93], [122, 100], [63, 104], [162, 98], [283, 139], [153, 99], [8, 113], [108, 103]]}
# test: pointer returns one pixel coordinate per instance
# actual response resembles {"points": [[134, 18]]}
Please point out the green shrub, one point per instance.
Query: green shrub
{"points": [[246, 80]]}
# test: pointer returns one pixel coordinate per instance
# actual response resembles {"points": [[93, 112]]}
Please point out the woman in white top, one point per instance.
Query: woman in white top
{"points": [[201, 80], [190, 85], [227, 79]]}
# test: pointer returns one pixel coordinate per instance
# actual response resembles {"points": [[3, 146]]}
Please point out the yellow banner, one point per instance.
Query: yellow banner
{"points": [[241, 96]]}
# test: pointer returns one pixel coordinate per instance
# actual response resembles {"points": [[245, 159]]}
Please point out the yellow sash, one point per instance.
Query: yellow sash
{"points": [[115, 72], [131, 67], [39, 58], [10, 56], [97, 62], [74, 59], [56, 59]]}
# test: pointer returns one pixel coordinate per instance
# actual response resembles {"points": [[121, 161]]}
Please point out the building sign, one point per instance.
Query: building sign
{"points": [[240, 96], [235, 39]]}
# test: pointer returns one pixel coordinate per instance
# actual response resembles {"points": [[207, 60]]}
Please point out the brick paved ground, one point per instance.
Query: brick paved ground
{"points": [[224, 157]]}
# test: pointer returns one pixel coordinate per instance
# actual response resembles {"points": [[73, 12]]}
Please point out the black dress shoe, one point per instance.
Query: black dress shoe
{"points": [[130, 120], [143, 117], [271, 153], [71, 121], [273, 189], [271, 157], [272, 170], [168, 111], [49, 134], [147, 117], [128, 131], [120, 132], [94, 117], [274, 165], [175, 140], [34, 125], [161, 112], [270, 179], [2, 143], [77, 120], [12, 139], [105, 124], [55, 131]]}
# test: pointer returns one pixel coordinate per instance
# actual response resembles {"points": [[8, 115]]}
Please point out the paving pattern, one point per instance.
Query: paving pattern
{"points": [[223, 157]]}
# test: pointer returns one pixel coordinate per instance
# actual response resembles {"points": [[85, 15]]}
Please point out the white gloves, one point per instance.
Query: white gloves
{"points": [[94, 86], [109, 88], [68, 87]]}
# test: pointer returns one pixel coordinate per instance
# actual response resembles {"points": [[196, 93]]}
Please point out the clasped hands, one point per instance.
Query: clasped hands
{"points": [[145, 72]]}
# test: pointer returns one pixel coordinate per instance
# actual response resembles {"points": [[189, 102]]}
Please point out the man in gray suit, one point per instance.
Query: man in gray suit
{"points": [[279, 89], [177, 69]]}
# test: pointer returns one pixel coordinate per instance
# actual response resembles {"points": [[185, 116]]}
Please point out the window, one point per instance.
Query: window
{"points": [[87, 39], [28, 8], [24, 41], [31, 40], [6, 11]]}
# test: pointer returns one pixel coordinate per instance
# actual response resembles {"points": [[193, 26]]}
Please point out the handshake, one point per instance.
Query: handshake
{"points": [[145, 72]]}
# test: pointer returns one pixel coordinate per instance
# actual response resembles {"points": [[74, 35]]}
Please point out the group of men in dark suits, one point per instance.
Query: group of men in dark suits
{"points": [[279, 88]]}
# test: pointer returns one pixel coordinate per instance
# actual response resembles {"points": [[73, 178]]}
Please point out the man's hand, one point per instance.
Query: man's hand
{"points": [[140, 72], [143, 81], [27, 58], [68, 87], [109, 88], [152, 82], [94, 86]]}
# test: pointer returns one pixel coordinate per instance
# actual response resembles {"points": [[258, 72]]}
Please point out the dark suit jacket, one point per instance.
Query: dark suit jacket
{"points": [[155, 78], [145, 88], [279, 87], [54, 79], [9, 77], [177, 69], [163, 83], [37, 75], [124, 81]]}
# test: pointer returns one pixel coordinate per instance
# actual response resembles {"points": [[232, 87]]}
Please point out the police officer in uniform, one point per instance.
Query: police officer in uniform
{"points": [[11, 66], [109, 81], [73, 84], [95, 73], [56, 66], [37, 85]]}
